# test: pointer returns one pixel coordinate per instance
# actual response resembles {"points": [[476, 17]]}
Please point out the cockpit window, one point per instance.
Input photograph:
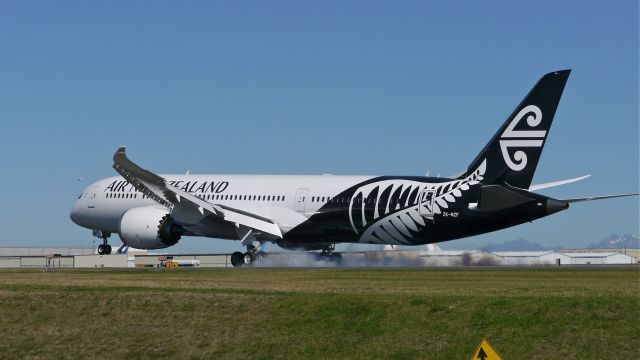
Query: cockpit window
{"points": [[79, 196]]}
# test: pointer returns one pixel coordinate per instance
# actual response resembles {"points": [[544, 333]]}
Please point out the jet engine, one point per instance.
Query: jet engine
{"points": [[149, 228]]}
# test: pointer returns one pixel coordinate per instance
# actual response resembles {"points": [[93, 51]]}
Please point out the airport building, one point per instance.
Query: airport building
{"points": [[600, 258], [532, 258], [457, 257], [44, 251], [60, 258]]}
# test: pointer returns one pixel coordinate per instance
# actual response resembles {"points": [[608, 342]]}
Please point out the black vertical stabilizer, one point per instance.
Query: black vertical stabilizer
{"points": [[513, 152]]}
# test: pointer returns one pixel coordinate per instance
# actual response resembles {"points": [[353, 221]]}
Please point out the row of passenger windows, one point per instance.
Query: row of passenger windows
{"points": [[334, 200], [243, 197], [340, 200], [122, 196], [207, 197]]}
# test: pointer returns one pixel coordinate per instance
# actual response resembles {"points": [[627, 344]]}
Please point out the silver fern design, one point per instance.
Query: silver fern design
{"points": [[393, 211]]}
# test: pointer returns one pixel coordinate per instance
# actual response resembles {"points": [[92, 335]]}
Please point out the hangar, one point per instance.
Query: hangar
{"points": [[457, 258], [43, 251], [532, 257], [595, 258]]}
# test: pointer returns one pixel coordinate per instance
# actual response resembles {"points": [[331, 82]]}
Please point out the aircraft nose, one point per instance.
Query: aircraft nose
{"points": [[74, 214]]}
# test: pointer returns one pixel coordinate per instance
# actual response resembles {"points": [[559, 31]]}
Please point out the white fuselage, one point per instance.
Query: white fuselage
{"points": [[287, 199]]}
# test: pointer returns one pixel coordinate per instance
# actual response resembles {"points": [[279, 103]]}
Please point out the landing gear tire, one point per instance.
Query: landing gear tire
{"points": [[336, 258], [248, 258], [237, 259], [104, 249]]}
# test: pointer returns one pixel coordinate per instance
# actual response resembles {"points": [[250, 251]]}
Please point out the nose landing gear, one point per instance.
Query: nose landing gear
{"points": [[104, 248]]}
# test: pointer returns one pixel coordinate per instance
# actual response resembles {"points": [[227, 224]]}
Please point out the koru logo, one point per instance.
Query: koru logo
{"points": [[522, 138]]}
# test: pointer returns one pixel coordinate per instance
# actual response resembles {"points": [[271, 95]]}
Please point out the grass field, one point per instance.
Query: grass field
{"points": [[544, 313]]}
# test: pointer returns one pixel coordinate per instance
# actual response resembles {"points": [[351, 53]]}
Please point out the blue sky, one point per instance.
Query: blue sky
{"points": [[310, 87]]}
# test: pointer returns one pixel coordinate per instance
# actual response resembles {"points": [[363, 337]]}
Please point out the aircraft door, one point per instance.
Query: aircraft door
{"points": [[91, 197], [425, 206], [300, 199]]}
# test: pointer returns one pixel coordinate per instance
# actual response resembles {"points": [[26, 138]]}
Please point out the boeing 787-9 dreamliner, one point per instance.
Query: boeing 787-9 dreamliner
{"points": [[316, 212]]}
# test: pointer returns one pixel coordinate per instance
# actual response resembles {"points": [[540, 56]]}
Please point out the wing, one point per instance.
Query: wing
{"points": [[556, 183], [598, 198], [188, 207]]}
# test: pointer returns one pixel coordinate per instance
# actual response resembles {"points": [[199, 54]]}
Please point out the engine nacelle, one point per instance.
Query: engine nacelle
{"points": [[149, 228]]}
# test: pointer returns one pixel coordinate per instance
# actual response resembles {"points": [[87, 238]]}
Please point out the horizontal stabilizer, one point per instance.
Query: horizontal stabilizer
{"points": [[598, 198], [556, 183]]}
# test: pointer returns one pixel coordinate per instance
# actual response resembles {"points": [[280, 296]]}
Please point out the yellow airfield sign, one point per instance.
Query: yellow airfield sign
{"points": [[485, 352]]}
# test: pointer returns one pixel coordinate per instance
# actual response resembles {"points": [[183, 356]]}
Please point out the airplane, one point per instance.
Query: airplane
{"points": [[316, 212]]}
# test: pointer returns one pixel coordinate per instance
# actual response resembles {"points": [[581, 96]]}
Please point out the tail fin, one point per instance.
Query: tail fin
{"points": [[512, 154]]}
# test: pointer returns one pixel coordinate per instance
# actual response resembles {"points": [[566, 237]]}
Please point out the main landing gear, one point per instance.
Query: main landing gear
{"points": [[245, 259], [104, 248], [328, 254]]}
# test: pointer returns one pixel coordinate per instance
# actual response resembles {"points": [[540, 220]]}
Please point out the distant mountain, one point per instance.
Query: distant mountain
{"points": [[515, 245], [617, 242]]}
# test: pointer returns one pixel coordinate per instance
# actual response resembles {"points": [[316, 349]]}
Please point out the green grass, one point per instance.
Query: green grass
{"points": [[321, 313]]}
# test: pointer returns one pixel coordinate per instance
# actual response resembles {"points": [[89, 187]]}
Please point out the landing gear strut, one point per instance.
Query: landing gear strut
{"points": [[104, 248], [245, 259], [328, 254]]}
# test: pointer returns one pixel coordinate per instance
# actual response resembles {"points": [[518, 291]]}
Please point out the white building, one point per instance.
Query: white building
{"points": [[596, 258], [531, 257], [457, 258]]}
